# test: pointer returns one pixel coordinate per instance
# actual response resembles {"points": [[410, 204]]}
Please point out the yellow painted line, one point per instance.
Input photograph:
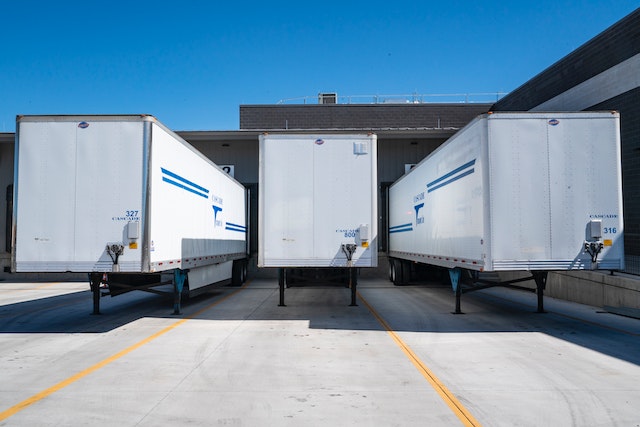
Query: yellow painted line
{"points": [[62, 384], [447, 396], [48, 285]]}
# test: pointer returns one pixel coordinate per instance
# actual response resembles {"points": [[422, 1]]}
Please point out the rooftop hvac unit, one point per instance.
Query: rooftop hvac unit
{"points": [[328, 98]]}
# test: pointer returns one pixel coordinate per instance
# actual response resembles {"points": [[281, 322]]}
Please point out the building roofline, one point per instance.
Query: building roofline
{"points": [[377, 105], [244, 135], [7, 137]]}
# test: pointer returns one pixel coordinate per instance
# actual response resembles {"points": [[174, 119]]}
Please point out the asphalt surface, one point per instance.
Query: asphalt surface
{"points": [[234, 357]]}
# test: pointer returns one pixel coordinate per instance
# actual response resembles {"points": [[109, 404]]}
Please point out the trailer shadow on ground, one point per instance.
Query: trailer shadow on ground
{"points": [[72, 313], [417, 308]]}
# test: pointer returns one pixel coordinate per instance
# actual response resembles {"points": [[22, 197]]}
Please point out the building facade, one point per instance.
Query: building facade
{"points": [[603, 74]]}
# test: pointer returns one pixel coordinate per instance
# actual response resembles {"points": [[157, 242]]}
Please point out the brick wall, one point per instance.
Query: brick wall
{"points": [[358, 116]]}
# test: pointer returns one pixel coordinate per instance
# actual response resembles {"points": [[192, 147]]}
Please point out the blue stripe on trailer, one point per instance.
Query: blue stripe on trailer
{"points": [[184, 183], [235, 227], [462, 175], [401, 228], [452, 176], [184, 187]]}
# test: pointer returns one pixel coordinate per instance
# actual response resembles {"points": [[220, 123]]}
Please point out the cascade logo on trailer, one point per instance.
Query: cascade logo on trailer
{"points": [[554, 122], [83, 125], [417, 206], [319, 141], [419, 219], [216, 222]]}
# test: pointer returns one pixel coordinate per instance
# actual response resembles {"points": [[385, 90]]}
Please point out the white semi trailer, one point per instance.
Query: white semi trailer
{"points": [[532, 192], [318, 204], [127, 201]]}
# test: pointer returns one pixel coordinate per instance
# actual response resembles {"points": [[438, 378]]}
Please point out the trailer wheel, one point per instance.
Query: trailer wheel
{"points": [[406, 271], [401, 272], [398, 272], [392, 270], [242, 270], [236, 273], [245, 270]]}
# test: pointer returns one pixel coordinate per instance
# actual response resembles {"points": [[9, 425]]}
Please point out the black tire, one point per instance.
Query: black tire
{"points": [[406, 271], [236, 273], [400, 271], [397, 272], [245, 270]]}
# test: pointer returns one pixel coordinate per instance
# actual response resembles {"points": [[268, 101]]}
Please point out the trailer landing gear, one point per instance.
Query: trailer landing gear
{"points": [[476, 284], [454, 275], [282, 280], [540, 278], [94, 282], [179, 277], [102, 284], [353, 284], [285, 277]]}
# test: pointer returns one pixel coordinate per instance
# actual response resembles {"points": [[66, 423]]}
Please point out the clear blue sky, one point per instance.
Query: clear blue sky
{"points": [[193, 63]]}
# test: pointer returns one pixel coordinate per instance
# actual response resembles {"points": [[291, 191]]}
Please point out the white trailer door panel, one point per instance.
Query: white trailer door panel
{"points": [[316, 194], [109, 191], [79, 185]]}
